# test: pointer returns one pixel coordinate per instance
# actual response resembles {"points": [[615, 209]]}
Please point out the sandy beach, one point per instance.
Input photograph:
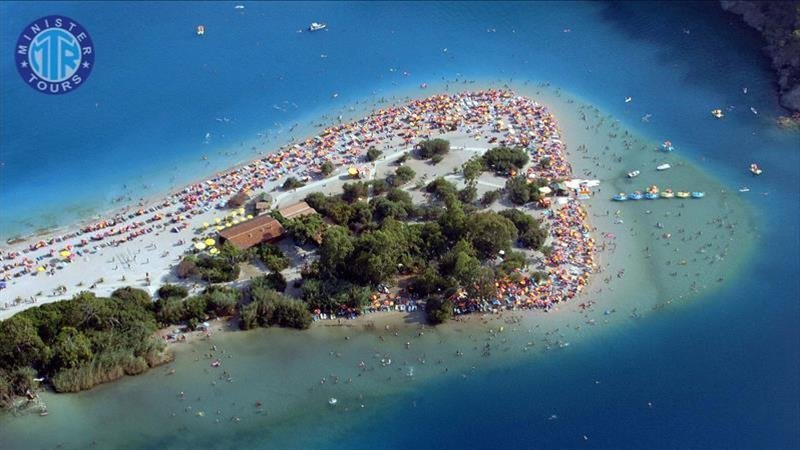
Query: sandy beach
{"points": [[141, 247]]}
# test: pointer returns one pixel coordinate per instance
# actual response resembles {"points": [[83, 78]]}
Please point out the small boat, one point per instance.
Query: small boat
{"points": [[664, 166], [667, 146], [753, 110], [744, 189], [332, 401], [667, 193], [423, 85], [621, 197], [201, 30], [628, 99], [653, 189], [651, 196], [633, 174], [717, 113], [636, 196], [698, 194], [682, 194], [317, 26], [755, 170], [238, 7]]}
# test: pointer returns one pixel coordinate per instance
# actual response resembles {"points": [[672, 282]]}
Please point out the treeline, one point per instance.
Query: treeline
{"points": [[77, 344]]}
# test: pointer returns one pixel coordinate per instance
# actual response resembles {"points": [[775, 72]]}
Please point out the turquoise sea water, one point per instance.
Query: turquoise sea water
{"points": [[723, 374]]}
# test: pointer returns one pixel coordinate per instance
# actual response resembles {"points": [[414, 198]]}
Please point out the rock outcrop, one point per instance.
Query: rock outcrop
{"points": [[779, 23]]}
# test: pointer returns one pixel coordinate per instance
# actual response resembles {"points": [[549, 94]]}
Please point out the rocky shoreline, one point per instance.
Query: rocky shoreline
{"points": [[779, 24]]}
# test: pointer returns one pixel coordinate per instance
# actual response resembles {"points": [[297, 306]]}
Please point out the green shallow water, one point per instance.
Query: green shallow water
{"points": [[284, 370]]}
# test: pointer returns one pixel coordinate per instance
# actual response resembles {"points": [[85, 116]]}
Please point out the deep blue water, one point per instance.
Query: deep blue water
{"points": [[724, 374]]}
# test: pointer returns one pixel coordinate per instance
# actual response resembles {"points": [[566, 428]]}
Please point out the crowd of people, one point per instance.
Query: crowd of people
{"points": [[513, 121]]}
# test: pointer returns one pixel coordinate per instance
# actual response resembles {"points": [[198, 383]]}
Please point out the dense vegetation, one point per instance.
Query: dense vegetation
{"points": [[371, 235], [79, 343], [432, 147]]}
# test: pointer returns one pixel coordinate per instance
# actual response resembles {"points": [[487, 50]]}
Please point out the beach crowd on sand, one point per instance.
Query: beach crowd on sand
{"points": [[514, 121]]}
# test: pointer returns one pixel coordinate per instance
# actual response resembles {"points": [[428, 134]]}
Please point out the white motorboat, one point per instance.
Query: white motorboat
{"points": [[333, 401], [633, 174], [315, 26], [663, 167]]}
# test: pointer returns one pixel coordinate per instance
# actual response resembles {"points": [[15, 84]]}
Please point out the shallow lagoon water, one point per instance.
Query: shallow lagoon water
{"points": [[294, 374], [721, 372]]}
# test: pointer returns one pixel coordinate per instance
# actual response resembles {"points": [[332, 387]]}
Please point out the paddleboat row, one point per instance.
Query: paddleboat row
{"points": [[653, 193]]}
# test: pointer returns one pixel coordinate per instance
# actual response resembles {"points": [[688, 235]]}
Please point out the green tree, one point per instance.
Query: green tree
{"points": [[402, 175], [305, 229], [504, 160], [335, 252], [469, 194], [20, 345], [489, 233], [131, 294], [438, 310], [355, 191], [490, 197], [429, 148], [373, 154], [472, 169], [71, 348], [172, 290], [327, 168], [292, 183], [273, 257]]}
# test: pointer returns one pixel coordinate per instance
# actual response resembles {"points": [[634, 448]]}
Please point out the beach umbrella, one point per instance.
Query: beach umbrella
{"points": [[249, 216], [205, 225], [209, 242], [213, 250], [64, 253], [41, 269], [241, 211], [219, 228], [217, 220], [199, 246]]}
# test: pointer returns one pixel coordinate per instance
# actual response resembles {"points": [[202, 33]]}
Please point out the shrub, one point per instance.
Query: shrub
{"points": [[273, 257], [274, 281], [504, 160], [373, 154], [429, 148], [172, 290], [436, 159], [292, 183], [355, 191], [402, 175], [270, 308], [490, 197], [438, 310], [326, 168]]}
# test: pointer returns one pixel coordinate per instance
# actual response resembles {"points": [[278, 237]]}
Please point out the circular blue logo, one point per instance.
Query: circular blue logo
{"points": [[54, 55]]}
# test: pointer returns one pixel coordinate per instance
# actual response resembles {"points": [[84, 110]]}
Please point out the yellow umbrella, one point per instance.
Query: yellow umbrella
{"points": [[213, 251], [40, 268], [233, 213], [236, 221], [217, 220], [65, 253], [205, 225], [219, 228], [210, 242], [199, 245], [241, 210], [249, 216]]}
